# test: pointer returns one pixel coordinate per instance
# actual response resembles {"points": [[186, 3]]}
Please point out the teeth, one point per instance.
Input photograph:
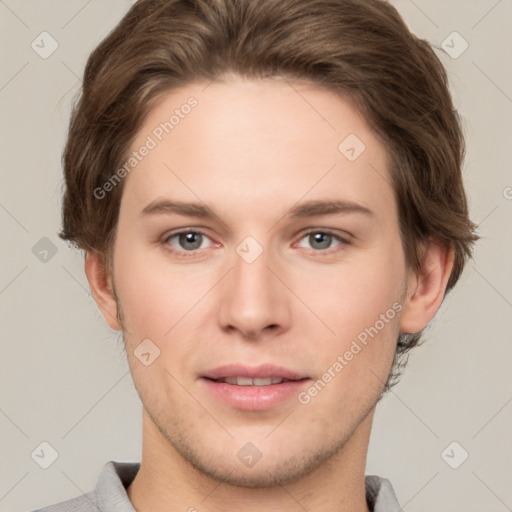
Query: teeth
{"points": [[247, 381], [243, 381], [262, 382]]}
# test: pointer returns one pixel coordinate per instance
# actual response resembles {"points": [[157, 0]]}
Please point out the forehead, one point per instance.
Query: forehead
{"points": [[249, 142]]}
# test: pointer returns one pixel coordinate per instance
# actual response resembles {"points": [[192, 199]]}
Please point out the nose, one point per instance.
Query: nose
{"points": [[254, 302]]}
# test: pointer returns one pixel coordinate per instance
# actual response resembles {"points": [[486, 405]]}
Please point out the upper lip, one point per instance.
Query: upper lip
{"points": [[254, 372]]}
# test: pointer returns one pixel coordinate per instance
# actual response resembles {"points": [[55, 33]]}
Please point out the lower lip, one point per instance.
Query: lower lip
{"points": [[255, 398]]}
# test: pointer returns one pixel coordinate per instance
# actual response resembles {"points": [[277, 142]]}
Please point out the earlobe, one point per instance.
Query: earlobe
{"points": [[426, 288], [101, 288]]}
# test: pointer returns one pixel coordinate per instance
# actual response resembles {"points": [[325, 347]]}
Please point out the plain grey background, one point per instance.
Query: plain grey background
{"points": [[64, 379]]}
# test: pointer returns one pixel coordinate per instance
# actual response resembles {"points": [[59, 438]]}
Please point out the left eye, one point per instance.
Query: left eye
{"points": [[188, 241], [320, 240]]}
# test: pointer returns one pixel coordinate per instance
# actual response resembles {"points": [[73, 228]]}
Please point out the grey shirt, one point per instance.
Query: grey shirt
{"points": [[109, 494]]}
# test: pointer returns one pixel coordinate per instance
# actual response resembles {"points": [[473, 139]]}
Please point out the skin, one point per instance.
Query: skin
{"points": [[252, 150]]}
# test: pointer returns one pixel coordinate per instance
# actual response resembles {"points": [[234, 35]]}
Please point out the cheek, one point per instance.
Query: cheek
{"points": [[361, 303], [156, 296], [140, 286], [353, 296]]}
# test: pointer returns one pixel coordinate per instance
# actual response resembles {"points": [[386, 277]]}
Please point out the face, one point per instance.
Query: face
{"points": [[257, 241]]}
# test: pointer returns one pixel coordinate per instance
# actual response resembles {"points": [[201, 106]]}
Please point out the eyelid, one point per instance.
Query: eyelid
{"points": [[181, 231], [344, 238]]}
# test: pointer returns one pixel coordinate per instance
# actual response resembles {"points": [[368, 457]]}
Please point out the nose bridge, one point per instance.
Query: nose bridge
{"points": [[253, 283], [253, 298], [252, 277]]}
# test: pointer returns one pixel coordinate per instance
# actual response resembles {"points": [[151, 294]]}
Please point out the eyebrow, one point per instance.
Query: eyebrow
{"points": [[305, 209]]}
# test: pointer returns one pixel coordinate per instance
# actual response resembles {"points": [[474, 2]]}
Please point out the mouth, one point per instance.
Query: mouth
{"points": [[248, 381], [244, 375], [254, 388]]}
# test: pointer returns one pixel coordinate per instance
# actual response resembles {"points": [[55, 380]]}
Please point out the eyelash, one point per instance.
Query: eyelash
{"points": [[188, 254]]}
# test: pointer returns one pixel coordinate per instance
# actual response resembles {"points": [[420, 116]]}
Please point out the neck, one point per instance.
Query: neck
{"points": [[167, 482]]}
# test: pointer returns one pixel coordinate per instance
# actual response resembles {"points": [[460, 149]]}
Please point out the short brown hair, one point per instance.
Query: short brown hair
{"points": [[360, 49]]}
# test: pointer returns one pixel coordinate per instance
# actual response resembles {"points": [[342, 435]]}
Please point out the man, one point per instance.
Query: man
{"points": [[308, 154]]}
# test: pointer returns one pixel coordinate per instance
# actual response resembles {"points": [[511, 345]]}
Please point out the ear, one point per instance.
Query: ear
{"points": [[426, 287], [101, 288]]}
